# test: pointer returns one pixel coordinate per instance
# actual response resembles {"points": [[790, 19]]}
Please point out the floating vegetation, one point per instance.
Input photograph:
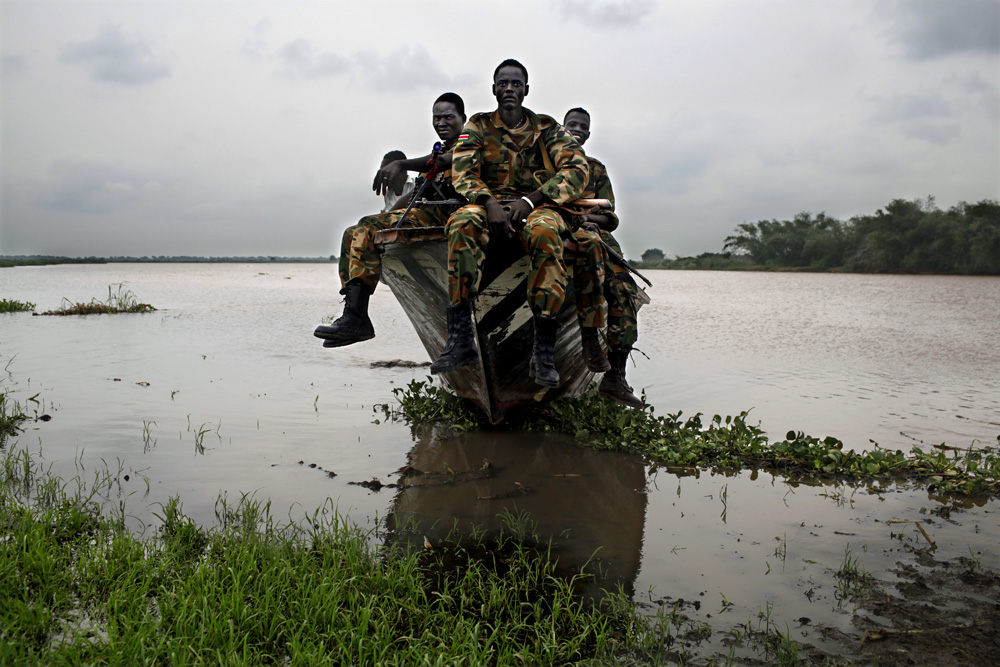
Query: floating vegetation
{"points": [[14, 306], [120, 300], [720, 442]]}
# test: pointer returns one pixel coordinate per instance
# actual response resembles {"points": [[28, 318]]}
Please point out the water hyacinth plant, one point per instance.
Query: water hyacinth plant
{"points": [[720, 442], [15, 306]]}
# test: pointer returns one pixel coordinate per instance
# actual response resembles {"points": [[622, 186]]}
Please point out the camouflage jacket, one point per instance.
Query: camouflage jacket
{"points": [[488, 161], [599, 187]]}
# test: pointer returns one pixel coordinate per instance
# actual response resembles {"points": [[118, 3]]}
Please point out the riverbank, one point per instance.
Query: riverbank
{"points": [[77, 587]]}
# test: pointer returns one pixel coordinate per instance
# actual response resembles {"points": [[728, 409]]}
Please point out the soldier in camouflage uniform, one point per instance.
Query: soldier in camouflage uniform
{"points": [[620, 289], [511, 153], [360, 263]]}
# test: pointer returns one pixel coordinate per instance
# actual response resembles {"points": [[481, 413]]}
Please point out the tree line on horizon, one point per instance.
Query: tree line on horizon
{"points": [[907, 236]]}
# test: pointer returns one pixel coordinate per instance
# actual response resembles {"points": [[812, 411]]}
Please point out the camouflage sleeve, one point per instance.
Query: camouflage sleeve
{"points": [[466, 162], [572, 171], [602, 190]]}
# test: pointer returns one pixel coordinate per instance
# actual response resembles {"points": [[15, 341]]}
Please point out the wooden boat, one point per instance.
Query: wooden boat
{"points": [[415, 267]]}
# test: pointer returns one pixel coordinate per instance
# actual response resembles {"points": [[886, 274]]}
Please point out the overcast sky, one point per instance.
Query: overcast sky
{"points": [[254, 128]]}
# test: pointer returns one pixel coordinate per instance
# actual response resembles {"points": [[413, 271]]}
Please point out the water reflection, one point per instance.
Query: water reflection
{"points": [[590, 504]]}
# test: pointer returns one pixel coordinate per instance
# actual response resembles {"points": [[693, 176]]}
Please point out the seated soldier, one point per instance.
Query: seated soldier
{"points": [[620, 289], [511, 153], [361, 270]]}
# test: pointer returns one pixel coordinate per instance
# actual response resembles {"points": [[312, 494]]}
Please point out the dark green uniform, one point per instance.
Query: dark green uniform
{"points": [[492, 160]]}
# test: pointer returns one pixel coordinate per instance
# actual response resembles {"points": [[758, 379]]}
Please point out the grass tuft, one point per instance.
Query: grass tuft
{"points": [[120, 300]]}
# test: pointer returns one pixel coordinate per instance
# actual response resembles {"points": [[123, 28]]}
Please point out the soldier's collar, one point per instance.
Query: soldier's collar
{"points": [[529, 118]]}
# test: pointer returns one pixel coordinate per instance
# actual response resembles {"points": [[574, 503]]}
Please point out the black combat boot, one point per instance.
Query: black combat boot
{"points": [[353, 326], [460, 348], [593, 353], [543, 364], [613, 384]]}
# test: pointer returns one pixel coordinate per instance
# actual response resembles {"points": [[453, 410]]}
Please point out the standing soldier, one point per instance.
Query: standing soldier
{"points": [[362, 268], [620, 289], [511, 153]]}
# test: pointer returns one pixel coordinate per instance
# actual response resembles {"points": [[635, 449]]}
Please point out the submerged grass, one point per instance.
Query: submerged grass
{"points": [[120, 300], [14, 306], [721, 442], [77, 587]]}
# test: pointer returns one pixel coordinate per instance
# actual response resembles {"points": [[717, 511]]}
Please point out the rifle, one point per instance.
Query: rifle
{"points": [[595, 205], [432, 170]]}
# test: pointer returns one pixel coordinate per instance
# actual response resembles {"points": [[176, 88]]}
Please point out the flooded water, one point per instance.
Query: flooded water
{"points": [[225, 390]]}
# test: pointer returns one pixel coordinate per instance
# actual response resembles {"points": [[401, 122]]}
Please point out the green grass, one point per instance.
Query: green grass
{"points": [[77, 587], [14, 306], [120, 300], [720, 442]]}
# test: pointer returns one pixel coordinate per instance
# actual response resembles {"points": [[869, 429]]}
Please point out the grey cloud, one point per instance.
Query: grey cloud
{"points": [[935, 133], [936, 28], [926, 117], [255, 46], [89, 185], [407, 68], [13, 63], [116, 58], [907, 107], [300, 60], [606, 14]]}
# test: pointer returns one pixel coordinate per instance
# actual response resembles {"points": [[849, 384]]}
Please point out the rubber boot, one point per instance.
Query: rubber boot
{"points": [[593, 353], [354, 325], [460, 348], [613, 384], [543, 365]]}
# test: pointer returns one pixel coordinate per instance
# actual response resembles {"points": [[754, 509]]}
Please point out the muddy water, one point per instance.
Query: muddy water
{"points": [[224, 390]]}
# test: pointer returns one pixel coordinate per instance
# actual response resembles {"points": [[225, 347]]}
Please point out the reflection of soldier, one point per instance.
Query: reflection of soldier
{"points": [[620, 290], [360, 264], [517, 154], [585, 500]]}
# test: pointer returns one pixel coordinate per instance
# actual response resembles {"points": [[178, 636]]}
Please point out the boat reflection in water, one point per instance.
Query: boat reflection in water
{"points": [[590, 504]]}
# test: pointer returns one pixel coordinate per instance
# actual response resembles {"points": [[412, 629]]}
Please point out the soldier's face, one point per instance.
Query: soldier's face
{"points": [[510, 88], [447, 121], [578, 124]]}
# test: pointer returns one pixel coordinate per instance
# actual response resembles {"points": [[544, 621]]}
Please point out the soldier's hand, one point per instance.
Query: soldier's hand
{"points": [[390, 178], [518, 212], [497, 218]]}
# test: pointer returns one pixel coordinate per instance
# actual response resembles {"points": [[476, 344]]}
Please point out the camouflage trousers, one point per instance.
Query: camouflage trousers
{"points": [[622, 295], [541, 237], [589, 276], [359, 259]]}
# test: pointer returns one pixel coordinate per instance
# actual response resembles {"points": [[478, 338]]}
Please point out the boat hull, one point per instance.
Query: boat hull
{"points": [[415, 267]]}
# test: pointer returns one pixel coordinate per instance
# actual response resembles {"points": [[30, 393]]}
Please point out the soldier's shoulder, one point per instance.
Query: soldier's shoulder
{"points": [[594, 162], [481, 119], [544, 121]]}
